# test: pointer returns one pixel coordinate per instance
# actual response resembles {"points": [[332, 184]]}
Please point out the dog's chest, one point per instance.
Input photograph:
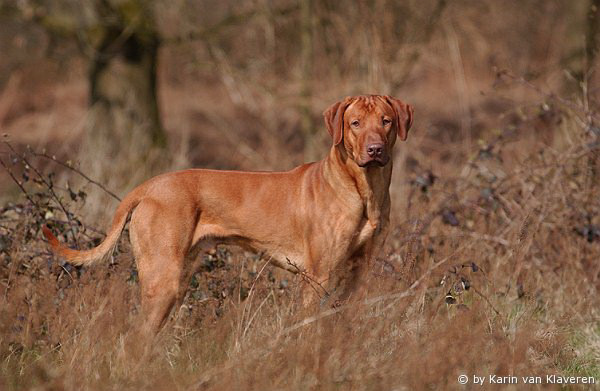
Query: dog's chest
{"points": [[369, 222], [351, 232]]}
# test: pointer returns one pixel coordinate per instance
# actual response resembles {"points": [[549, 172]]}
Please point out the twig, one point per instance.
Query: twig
{"points": [[70, 167], [18, 183], [256, 313], [308, 279], [488, 238], [486, 300], [249, 303], [43, 179], [50, 186]]}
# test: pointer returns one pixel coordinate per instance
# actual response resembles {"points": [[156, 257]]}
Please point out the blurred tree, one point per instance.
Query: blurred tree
{"points": [[123, 71], [124, 139], [311, 150], [593, 31], [120, 39], [591, 50]]}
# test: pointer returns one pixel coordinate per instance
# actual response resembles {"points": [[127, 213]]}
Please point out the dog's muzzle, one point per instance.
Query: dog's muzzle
{"points": [[376, 156]]}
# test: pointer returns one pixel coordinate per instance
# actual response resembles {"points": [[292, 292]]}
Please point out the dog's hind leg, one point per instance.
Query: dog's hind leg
{"points": [[161, 288], [192, 263], [160, 245]]}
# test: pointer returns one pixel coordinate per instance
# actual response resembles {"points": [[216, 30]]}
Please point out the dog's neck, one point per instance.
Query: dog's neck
{"points": [[371, 184]]}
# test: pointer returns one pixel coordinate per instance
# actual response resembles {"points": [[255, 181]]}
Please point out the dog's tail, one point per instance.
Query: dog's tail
{"points": [[106, 248]]}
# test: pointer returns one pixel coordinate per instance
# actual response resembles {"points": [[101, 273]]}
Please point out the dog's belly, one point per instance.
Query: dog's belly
{"points": [[279, 254]]}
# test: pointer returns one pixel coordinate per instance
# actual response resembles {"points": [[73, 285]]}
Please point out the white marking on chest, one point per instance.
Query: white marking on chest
{"points": [[366, 232]]}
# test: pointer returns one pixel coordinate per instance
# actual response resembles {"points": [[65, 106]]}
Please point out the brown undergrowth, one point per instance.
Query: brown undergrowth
{"points": [[491, 268]]}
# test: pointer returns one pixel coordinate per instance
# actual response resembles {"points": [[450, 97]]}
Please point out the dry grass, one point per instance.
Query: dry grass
{"points": [[496, 194], [528, 307]]}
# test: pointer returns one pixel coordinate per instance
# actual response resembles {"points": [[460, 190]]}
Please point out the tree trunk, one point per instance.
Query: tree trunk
{"points": [[123, 87], [124, 140], [593, 32], [591, 49], [311, 147]]}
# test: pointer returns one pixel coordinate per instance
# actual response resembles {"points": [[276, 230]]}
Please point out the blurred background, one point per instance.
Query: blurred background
{"points": [[125, 89], [491, 265]]}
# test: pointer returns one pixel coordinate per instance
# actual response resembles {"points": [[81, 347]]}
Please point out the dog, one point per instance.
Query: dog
{"points": [[322, 219]]}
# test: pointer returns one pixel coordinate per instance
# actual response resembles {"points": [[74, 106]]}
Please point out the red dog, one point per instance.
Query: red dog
{"points": [[331, 214]]}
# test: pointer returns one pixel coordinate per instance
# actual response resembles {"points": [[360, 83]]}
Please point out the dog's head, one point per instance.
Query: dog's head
{"points": [[367, 126]]}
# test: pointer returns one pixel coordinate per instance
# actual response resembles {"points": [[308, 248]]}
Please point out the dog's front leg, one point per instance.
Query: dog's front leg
{"points": [[361, 264]]}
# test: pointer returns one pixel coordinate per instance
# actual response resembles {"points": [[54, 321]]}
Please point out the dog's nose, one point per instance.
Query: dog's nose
{"points": [[375, 150]]}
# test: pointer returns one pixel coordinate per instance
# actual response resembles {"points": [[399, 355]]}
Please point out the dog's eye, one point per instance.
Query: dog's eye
{"points": [[355, 123], [386, 121]]}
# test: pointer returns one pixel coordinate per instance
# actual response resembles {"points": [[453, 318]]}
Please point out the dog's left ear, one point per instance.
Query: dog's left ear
{"points": [[404, 116], [334, 119]]}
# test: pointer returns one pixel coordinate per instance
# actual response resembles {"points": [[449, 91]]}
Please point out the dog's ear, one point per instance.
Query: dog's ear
{"points": [[404, 116], [334, 119]]}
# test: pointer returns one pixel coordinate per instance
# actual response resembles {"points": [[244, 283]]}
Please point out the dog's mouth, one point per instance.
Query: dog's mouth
{"points": [[377, 162]]}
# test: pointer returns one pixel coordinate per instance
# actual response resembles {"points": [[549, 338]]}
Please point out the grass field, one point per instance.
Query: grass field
{"points": [[512, 235], [491, 268]]}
